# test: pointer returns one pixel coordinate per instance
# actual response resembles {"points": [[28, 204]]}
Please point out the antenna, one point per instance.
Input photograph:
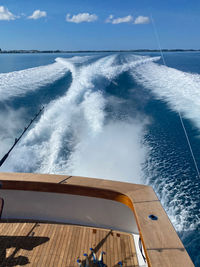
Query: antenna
{"points": [[17, 139]]}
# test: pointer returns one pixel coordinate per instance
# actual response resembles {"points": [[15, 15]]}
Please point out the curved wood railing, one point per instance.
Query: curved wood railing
{"points": [[160, 241]]}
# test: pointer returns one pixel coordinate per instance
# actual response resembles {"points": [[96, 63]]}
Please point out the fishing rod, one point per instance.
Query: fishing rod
{"points": [[17, 139]]}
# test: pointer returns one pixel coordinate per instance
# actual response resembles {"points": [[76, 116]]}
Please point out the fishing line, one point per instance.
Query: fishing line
{"points": [[18, 139], [10, 258], [158, 40], [179, 113]]}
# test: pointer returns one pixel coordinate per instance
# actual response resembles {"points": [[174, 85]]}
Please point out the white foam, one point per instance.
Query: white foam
{"points": [[179, 89], [10, 123], [18, 83], [114, 153], [94, 115], [98, 147], [76, 122], [74, 59], [133, 61], [61, 116]]}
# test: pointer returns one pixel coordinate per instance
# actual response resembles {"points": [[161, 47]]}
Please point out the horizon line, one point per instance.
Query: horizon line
{"points": [[96, 50]]}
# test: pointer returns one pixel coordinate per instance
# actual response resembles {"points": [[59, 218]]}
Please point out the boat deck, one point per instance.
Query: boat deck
{"points": [[46, 244], [60, 245]]}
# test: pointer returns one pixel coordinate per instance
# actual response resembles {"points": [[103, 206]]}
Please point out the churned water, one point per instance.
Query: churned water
{"points": [[112, 116]]}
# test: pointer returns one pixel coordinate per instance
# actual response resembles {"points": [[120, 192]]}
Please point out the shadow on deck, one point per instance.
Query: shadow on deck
{"points": [[15, 244]]}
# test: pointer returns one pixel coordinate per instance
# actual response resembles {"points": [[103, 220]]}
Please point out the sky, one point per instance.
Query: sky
{"points": [[99, 24]]}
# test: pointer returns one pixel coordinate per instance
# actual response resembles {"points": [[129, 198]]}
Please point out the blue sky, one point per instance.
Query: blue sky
{"points": [[81, 24]]}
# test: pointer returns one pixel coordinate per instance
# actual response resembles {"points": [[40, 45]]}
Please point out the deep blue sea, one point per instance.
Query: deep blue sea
{"points": [[112, 116]]}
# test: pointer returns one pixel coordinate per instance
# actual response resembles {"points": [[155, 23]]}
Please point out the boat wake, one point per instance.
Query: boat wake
{"points": [[179, 89], [75, 136], [19, 83], [99, 128]]}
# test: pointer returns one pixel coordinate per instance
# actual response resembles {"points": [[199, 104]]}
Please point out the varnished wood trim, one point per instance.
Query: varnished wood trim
{"points": [[1, 206], [139, 198], [74, 190], [67, 189]]}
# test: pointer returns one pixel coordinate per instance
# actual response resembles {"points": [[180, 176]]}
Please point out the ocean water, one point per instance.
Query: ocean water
{"points": [[112, 116]]}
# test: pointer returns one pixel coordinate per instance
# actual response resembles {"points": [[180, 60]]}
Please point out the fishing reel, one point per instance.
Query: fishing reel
{"points": [[92, 261]]}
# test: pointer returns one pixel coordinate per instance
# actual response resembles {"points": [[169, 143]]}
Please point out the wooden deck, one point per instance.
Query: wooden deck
{"points": [[42, 244], [160, 241]]}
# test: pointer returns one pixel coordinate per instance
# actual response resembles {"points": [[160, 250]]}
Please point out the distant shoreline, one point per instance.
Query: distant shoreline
{"points": [[93, 51]]}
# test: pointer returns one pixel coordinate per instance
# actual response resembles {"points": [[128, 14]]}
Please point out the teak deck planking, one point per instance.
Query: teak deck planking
{"points": [[160, 241], [45, 244]]}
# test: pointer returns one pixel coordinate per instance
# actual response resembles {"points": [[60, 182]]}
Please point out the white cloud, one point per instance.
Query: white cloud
{"points": [[109, 19], [5, 14], [37, 14], [81, 17], [142, 20], [122, 20], [126, 19]]}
